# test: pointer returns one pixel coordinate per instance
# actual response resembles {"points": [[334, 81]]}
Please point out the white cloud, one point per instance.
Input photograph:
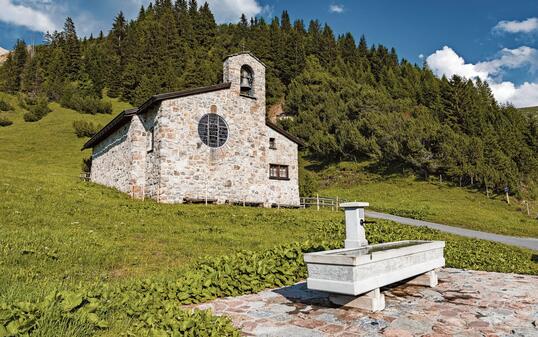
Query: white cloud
{"points": [[521, 96], [421, 56], [525, 26], [447, 62], [511, 59], [25, 16], [231, 10], [336, 8]]}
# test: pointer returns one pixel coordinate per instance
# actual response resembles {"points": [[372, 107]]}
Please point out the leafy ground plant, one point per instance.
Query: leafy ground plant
{"points": [[151, 305]]}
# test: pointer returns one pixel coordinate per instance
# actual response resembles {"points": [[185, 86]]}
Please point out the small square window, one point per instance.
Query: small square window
{"points": [[278, 172], [272, 143]]}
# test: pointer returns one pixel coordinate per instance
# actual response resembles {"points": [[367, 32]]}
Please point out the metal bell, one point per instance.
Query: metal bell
{"points": [[245, 80], [245, 84]]}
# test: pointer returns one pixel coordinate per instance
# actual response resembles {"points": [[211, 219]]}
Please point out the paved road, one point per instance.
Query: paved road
{"points": [[509, 240]]}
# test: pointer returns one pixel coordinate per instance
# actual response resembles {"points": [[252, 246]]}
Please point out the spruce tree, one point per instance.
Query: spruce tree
{"points": [[71, 49], [14, 67]]}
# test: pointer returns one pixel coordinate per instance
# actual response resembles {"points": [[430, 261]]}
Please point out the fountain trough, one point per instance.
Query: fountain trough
{"points": [[360, 268]]}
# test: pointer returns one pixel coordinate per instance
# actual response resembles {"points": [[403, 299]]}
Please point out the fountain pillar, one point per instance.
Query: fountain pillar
{"points": [[355, 235]]}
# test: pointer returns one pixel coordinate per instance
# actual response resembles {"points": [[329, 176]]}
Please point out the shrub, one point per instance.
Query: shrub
{"points": [[85, 104], [37, 107], [85, 128], [26, 101], [5, 122], [30, 117], [5, 106], [308, 183], [86, 165]]}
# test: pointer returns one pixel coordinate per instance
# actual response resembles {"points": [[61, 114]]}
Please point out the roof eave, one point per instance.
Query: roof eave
{"points": [[112, 126], [117, 122], [285, 133]]}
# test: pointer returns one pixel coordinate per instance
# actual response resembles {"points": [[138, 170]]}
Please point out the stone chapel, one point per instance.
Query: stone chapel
{"points": [[211, 144]]}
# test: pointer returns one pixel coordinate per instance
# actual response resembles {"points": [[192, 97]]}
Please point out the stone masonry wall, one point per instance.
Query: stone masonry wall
{"points": [[239, 170], [111, 161], [138, 139], [284, 192], [181, 166], [190, 169]]}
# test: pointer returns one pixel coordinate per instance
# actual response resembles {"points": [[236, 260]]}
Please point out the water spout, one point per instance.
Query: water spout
{"points": [[355, 234]]}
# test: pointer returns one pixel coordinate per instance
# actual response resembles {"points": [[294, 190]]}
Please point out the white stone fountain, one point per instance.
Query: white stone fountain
{"points": [[362, 269]]}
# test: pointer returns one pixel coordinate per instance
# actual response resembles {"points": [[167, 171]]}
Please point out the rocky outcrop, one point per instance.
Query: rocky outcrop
{"points": [[3, 55]]}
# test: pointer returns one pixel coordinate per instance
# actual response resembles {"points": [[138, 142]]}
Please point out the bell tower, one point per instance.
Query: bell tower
{"points": [[246, 73]]}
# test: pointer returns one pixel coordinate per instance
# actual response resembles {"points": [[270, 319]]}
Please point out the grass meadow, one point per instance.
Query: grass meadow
{"points": [[430, 200], [58, 230], [60, 233]]}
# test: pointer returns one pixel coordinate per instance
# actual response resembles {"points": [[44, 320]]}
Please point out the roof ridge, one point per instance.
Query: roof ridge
{"points": [[247, 53], [118, 121]]}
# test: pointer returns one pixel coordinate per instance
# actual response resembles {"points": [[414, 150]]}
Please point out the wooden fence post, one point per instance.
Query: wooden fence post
{"points": [[317, 201], [337, 204]]}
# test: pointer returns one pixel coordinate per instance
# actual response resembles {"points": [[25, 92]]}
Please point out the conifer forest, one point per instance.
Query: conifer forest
{"points": [[346, 98]]}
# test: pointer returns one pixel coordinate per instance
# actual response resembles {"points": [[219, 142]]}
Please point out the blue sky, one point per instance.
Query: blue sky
{"points": [[494, 40]]}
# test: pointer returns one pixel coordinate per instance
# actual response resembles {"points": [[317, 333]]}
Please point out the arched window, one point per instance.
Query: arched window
{"points": [[247, 81]]}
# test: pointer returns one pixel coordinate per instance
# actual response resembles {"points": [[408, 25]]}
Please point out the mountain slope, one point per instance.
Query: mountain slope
{"points": [[430, 200], [346, 100], [532, 110], [56, 225]]}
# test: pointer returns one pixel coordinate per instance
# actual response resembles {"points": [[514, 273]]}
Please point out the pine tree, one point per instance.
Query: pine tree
{"points": [[347, 48], [14, 67], [71, 48], [348, 101], [362, 49], [33, 75]]}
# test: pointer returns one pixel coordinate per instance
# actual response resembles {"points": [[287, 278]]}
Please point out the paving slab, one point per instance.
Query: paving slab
{"points": [[464, 303]]}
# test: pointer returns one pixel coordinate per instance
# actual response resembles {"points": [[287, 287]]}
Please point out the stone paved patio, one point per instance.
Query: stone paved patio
{"points": [[465, 303]]}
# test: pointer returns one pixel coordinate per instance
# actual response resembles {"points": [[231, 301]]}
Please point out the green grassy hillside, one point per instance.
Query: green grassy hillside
{"points": [[532, 109], [49, 217], [430, 200], [60, 233]]}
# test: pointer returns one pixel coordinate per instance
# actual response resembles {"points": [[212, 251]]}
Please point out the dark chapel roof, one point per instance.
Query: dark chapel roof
{"points": [[126, 115]]}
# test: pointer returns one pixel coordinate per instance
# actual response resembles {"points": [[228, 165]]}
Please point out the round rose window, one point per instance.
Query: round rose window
{"points": [[213, 130]]}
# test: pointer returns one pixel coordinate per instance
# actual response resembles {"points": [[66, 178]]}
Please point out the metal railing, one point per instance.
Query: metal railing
{"points": [[319, 202]]}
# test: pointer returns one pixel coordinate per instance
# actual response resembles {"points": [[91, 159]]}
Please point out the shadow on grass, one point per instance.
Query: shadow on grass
{"points": [[534, 258]]}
